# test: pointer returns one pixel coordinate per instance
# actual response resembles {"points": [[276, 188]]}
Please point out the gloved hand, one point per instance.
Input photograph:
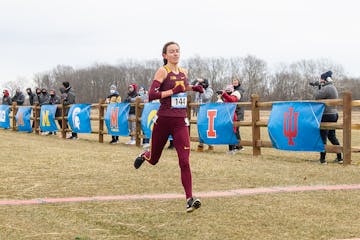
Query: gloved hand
{"points": [[178, 89], [198, 88]]}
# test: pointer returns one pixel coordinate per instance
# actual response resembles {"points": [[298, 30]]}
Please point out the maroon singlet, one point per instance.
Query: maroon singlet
{"points": [[169, 83]]}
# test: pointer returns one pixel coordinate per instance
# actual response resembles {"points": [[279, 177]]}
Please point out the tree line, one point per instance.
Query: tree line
{"points": [[286, 82]]}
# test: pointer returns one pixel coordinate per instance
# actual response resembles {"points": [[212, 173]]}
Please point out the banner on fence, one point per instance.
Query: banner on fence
{"points": [[23, 119], [148, 117], [79, 118], [4, 116], [295, 126], [215, 123], [47, 118], [116, 119]]}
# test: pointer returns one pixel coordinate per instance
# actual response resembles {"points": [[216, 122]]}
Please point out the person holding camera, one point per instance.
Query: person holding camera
{"points": [[202, 98], [325, 89], [230, 95]]}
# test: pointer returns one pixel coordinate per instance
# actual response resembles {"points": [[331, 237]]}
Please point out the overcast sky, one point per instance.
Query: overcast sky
{"points": [[37, 35]]}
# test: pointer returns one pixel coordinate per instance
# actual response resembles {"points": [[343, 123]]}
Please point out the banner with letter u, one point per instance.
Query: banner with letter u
{"points": [[79, 118], [215, 123], [4, 116], [295, 126], [47, 118], [116, 119], [23, 119], [148, 117]]}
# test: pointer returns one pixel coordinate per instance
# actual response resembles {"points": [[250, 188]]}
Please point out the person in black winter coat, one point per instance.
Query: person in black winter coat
{"points": [[69, 98], [31, 96], [130, 98], [19, 97]]}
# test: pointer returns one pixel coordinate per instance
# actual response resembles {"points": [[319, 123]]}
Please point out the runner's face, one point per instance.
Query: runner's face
{"points": [[172, 54]]}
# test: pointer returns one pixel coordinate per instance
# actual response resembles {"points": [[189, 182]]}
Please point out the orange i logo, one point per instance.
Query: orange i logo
{"points": [[211, 115]]}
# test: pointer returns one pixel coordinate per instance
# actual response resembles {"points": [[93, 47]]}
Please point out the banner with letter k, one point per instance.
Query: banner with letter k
{"points": [[295, 126]]}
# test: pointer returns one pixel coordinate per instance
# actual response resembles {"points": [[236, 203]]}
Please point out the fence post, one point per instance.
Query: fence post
{"points": [[347, 101], [188, 111], [14, 111], [137, 121], [37, 118], [255, 116], [63, 121], [101, 120]]}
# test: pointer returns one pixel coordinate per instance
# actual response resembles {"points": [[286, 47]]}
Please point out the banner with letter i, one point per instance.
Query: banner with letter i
{"points": [[215, 123], [295, 126]]}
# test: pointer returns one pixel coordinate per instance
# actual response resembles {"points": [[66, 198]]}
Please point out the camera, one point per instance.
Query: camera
{"points": [[219, 92], [314, 84]]}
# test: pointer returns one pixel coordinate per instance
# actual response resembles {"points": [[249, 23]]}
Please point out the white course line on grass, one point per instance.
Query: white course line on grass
{"points": [[212, 194]]}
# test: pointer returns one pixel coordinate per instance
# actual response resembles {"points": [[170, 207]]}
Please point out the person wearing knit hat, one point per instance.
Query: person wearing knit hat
{"points": [[328, 91], [6, 100]]}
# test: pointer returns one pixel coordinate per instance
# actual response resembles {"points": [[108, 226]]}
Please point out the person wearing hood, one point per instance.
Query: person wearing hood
{"points": [[19, 97], [6, 100], [327, 90], [31, 96], [68, 97], [130, 98], [53, 99], [240, 111], [114, 97]]}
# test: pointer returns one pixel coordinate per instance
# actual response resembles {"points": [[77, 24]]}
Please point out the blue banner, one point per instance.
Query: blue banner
{"points": [[79, 118], [116, 119], [215, 123], [148, 117], [4, 116], [47, 118], [22, 117], [295, 126]]}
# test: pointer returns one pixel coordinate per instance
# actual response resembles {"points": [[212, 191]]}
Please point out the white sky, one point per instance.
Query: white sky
{"points": [[37, 35]]}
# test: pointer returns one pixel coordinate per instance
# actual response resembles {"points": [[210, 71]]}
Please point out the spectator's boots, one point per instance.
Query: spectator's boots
{"points": [[322, 158], [338, 159], [210, 148], [200, 148], [192, 204]]}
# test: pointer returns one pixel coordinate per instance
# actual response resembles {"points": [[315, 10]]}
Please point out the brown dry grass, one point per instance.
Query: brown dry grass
{"points": [[48, 166]]}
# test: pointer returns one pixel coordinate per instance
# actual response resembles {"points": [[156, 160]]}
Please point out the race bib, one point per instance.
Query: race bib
{"points": [[179, 100]]}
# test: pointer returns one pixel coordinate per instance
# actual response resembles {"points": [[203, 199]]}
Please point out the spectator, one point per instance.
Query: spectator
{"points": [[203, 98], [229, 95], [130, 98], [38, 96], [54, 100], [144, 99], [327, 90], [19, 97], [239, 110], [31, 95], [169, 84], [6, 100], [114, 97], [44, 96], [69, 98]]}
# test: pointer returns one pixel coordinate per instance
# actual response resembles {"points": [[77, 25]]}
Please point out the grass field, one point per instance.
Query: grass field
{"points": [[34, 167]]}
